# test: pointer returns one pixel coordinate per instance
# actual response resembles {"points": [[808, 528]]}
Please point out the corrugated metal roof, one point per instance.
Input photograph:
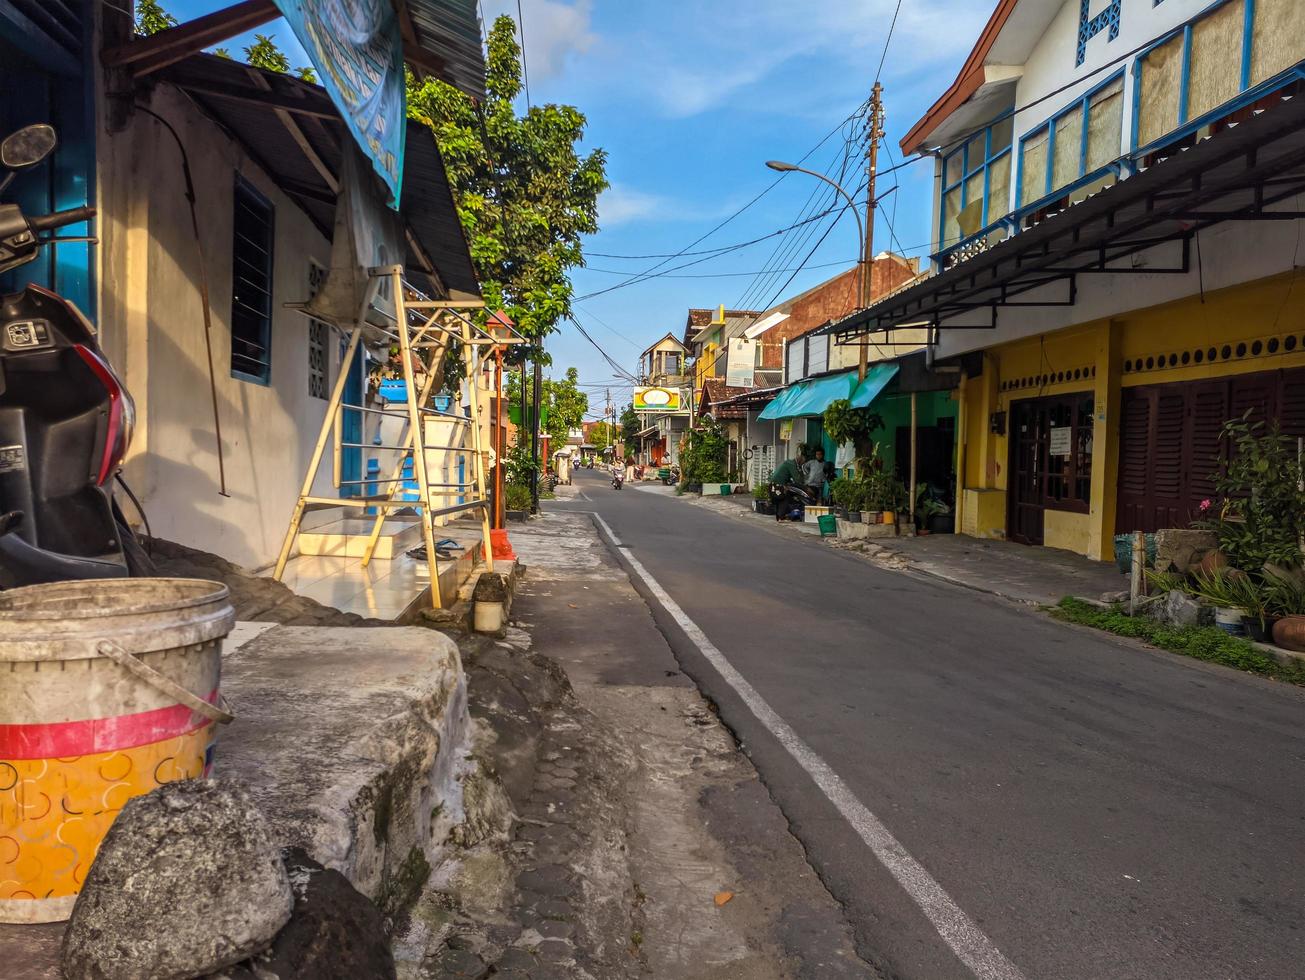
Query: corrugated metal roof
{"points": [[230, 93], [449, 32]]}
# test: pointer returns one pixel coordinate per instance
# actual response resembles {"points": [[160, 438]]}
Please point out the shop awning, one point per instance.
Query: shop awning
{"points": [[876, 380], [810, 398]]}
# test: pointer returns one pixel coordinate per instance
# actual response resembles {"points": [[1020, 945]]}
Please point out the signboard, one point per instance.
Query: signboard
{"points": [[1059, 441], [668, 400], [357, 51], [741, 363]]}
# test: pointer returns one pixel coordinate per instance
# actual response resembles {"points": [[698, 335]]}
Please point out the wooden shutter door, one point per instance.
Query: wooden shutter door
{"points": [[1134, 451], [1209, 411]]}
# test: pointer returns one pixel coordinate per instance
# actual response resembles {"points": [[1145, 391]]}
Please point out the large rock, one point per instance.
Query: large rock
{"points": [[1182, 549], [186, 882], [1179, 609], [334, 933]]}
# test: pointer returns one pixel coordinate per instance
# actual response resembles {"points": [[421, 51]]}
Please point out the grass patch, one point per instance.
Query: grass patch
{"points": [[1202, 642]]}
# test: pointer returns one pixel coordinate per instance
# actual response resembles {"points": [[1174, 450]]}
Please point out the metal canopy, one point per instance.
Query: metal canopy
{"points": [[292, 130], [1238, 174]]}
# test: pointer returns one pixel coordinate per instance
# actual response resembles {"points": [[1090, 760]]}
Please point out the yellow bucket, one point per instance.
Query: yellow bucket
{"points": [[108, 689]]}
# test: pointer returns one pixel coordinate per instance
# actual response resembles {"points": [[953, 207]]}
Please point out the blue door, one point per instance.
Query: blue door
{"points": [[351, 464], [43, 80]]}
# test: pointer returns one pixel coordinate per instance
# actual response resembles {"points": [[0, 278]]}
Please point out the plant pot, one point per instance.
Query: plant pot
{"points": [[890, 517], [763, 506], [942, 523], [1261, 631], [1289, 633], [1231, 620]]}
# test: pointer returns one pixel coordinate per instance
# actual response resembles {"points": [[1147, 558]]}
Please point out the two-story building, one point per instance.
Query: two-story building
{"points": [[1117, 230], [664, 369]]}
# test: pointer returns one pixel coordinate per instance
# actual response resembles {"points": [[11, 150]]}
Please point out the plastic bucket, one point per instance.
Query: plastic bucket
{"points": [[110, 690], [828, 525]]}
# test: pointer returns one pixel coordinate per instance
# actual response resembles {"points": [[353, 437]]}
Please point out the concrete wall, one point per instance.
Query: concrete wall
{"points": [[153, 329]]}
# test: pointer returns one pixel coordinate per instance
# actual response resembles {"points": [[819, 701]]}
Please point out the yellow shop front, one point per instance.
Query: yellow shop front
{"points": [[1071, 437]]}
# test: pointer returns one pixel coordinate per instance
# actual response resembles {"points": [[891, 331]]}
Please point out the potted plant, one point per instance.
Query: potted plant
{"points": [[1221, 590], [761, 501], [1286, 604]]}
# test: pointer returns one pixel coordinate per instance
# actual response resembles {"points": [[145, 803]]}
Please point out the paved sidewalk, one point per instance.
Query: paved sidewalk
{"points": [[642, 842], [1035, 576]]}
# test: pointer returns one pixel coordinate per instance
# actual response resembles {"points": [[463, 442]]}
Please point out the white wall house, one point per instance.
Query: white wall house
{"points": [[1063, 98], [263, 248]]}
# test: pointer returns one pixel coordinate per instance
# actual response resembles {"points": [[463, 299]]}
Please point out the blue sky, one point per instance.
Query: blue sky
{"points": [[690, 99]]}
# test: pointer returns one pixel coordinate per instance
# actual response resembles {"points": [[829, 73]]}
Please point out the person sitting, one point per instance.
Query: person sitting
{"points": [[783, 482]]}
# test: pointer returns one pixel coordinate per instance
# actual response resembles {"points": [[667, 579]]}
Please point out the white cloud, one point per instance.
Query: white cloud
{"points": [[620, 205], [554, 31], [690, 58]]}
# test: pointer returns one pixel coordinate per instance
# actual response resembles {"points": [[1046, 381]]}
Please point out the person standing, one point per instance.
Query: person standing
{"points": [[814, 475], [787, 475]]}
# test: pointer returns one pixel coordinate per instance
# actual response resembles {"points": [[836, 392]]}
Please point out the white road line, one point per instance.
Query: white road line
{"points": [[957, 929]]}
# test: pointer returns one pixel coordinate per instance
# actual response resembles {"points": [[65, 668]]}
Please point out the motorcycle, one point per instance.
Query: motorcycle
{"points": [[618, 478], [790, 501], [66, 418], [669, 475]]}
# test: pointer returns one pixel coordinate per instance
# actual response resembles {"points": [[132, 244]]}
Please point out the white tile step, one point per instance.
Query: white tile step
{"points": [[347, 538]]}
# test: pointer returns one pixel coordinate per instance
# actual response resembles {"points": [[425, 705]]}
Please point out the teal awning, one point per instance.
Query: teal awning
{"points": [[810, 398], [876, 380]]}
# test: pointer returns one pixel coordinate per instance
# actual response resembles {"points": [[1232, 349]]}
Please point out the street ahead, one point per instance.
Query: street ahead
{"points": [[1021, 796]]}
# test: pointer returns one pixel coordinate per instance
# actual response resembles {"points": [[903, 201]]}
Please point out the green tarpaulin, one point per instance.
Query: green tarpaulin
{"points": [[810, 398]]}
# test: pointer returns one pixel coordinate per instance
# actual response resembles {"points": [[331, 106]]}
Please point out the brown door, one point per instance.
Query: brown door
{"points": [[1027, 506]]}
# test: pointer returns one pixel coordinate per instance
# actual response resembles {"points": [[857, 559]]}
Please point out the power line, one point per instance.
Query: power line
{"points": [[525, 72], [884, 55], [764, 191], [675, 268], [611, 361]]}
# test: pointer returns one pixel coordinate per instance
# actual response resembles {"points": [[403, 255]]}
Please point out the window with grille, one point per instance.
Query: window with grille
{"points": [[318, 331], [251, 286]]}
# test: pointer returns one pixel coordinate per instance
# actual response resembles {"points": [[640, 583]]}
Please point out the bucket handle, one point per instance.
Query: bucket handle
{"points": [[134, 665]]}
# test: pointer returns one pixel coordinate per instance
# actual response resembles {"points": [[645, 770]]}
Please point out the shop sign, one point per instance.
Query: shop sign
{"points": [[666, 400], [357, 51]]}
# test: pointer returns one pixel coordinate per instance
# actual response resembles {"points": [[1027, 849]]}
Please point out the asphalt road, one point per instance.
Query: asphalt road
{"points": [[1094, 809]]}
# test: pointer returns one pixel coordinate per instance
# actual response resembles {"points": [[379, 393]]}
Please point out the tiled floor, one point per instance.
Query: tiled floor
{"points": [[382, 590]]}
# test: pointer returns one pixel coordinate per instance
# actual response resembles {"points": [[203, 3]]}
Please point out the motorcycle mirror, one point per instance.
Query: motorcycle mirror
{"points": [[28, 146]]}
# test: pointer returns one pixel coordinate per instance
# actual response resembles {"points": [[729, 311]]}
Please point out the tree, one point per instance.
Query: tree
{"points": [[152, 18], [601, 435], [524, 193], [630, 426], [564, 403], [264, 53], [567, 405]]}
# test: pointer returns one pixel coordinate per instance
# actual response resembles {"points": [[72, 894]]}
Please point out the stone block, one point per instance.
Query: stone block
{"points": [[1182, 549]]}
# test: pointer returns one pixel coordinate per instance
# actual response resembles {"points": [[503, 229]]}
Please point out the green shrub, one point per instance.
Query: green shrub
{"points": [[516, 496], [1261, 518], [1204, 642], [705, 453]]}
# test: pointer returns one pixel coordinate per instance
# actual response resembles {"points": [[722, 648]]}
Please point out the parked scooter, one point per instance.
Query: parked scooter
{"points": [[790, 501], [65, 417]]}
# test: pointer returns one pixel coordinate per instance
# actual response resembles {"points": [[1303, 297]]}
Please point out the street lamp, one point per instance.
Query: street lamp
{"points": [[863, 262]]}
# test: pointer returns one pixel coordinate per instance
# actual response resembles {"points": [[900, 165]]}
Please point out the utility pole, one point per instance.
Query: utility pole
{"points": [[534, 435], [868, 258]]}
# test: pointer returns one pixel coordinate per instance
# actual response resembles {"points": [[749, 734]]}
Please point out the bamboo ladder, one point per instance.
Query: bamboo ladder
{"points": [[423, 341]]}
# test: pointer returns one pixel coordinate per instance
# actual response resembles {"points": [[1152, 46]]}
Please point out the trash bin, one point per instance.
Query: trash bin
{"points": [[111, 689], [828, 524]]}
